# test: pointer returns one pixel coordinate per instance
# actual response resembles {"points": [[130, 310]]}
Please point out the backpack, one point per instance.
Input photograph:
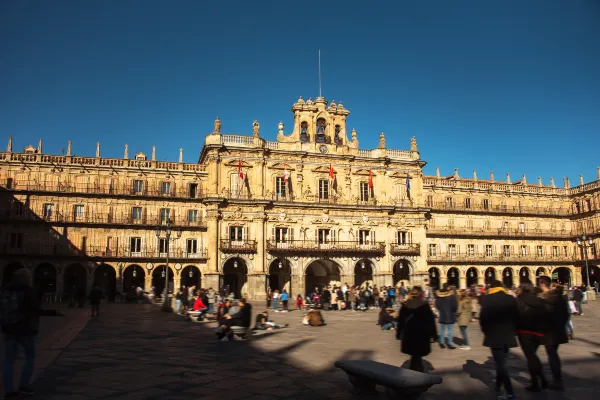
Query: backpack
{"points": [[12, 307]]}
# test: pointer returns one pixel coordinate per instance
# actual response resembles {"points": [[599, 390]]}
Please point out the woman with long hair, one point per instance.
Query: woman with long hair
{"points": [[465, 313]]}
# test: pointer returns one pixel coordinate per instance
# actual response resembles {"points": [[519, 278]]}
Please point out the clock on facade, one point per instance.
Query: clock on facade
{"points": [[323, 149]]}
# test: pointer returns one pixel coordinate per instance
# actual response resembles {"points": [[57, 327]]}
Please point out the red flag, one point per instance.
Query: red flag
{"points": [[371, 179], [240, 173], [331, 173], [285, 173]]}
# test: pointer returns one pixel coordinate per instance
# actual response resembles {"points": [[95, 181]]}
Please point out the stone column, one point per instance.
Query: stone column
{"points": [[463, 282], [481, 278], [212, 248], [259, 260], [148, 281], [213, 175]]}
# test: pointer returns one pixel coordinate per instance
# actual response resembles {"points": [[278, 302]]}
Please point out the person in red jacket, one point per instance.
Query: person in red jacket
{"points": [[199, 304]]}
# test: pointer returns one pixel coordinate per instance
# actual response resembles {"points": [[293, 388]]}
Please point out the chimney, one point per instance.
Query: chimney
{"points": [[98, 150], [475, 175], [69, 148], [153, 153], [181, 155], [539, 181], [437, 171]]}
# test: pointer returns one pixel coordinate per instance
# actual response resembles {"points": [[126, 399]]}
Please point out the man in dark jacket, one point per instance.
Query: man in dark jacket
{"points": [[20, 321], [556, 333], [498, 321], [447, 306], [416, 328], [578, 299]]}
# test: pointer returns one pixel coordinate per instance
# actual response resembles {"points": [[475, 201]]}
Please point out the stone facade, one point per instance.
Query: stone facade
{"points": [[301, 212]]}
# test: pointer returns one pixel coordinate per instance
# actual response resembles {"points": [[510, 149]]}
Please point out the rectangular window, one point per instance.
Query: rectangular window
{"points": [[521, 227], [138, 186], [323, 189], [236, 233], [429, 202], [281, 235], [486, 204], [451, 250], [364, 236], [16, 241], [364, 191], [136, 214], [78, 211], [505, 226], [471, 249], [165, 215], [162, 245], [192, 246], [432, 250], [280, 187], [324, 236], [467, 203], [165, 188], [506, 250], [48, 210], [523, 251], [193, 190], [403, 237], [449, 202], [540, 251], [135, 244], [555, 251], [192, 216], [488, 250]]}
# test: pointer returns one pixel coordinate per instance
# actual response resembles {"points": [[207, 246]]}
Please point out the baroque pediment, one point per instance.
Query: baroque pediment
{"points": [[237, 215], [322, 169], [365, 172], [281, 217], [398, 175], [236, 163], [281, 166]]}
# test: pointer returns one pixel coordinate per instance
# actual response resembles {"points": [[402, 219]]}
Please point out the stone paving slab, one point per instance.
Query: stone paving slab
{"points": [[137, 352]]}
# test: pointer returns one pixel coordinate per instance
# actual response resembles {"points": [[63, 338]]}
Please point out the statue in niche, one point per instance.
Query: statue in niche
{"points": [[336, 138], [321, 130], [256, 129], [304, 132], [217, 126]]}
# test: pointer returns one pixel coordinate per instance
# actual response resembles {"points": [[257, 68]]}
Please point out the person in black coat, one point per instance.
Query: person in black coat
{"points": [[556, 334], [416, 328], [447, 306], [241, 318], [531, 326], [498, 321]]}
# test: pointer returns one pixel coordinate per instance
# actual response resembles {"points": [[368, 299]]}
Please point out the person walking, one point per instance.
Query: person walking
{"points": [[447, 307], [416, 328], [275, 301], [211, 296], [556, 334], [465, 312], [498, 320], [531, 325], [20, 321], [284, 300], [578, 299], [95, 298]]}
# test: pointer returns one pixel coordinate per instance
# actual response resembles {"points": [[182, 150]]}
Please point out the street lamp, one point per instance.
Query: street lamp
{"points": [[168, 229], [585, 242]]}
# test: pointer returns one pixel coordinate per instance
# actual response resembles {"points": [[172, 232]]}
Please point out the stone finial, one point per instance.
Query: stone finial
{"points": [[539, 181], [456, 173], [354, 137], [9, 148], [126, 154], [568, 182], [565, 183], [217, 128], [507, 178], [437, 172], [581, 180], [492, 176], [280, 128], [255, 129], [39, 149], [98, 150], [413, 144], [153, 153], [381, 141], [475, 175], [552, 182], [69, 143], [524, 179], [181, 154], [598, 173]]}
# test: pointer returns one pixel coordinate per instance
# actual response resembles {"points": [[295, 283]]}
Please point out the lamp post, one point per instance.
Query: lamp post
{"points": [[585, 242], [168, 229]]}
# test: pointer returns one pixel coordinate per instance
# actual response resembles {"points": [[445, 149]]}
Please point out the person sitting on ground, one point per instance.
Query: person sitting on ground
{"points": [[199, 304], [263, 323], [223, 309], [313, 318], [242, 319], [386, 319]]}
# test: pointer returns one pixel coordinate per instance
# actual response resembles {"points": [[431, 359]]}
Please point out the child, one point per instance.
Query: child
{"points": [[299, 302]]}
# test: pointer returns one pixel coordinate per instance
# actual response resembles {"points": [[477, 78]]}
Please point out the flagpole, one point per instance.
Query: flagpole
{"points": [[320, 73]]}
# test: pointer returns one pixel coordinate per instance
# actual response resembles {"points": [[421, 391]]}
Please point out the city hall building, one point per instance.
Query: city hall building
{"points": [[306, 210]]}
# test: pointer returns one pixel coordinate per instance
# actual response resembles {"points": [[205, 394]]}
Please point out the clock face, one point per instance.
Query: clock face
{"points": [[323, 149]]}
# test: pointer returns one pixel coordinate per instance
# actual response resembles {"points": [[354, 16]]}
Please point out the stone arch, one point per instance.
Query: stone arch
{"points": [[401, 272], [247, 261], [134, 276], [562, 275], [280, 275], [44, 278], [363, 272], [235, 276], [320, 273], [191, 275], [525, 275], [541, 271], [342, 264], [75, 279], [453, 276], [508, 277], [105, 275], [472, 275], [490, 275], [434, 277], [8, 270], [158, 279], [594, 275]]}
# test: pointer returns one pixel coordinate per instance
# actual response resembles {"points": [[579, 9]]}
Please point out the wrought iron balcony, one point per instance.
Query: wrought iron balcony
{"points": [[499, 209], [501, 232], [238, 246], [405, 249], [499, 258], [310, 246]]}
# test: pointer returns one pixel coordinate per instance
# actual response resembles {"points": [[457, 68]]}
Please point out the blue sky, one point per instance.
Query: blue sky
{"points": [[509, 85]]}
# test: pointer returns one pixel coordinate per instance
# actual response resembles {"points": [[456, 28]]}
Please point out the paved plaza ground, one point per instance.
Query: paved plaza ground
{"points": [[136, 352]]}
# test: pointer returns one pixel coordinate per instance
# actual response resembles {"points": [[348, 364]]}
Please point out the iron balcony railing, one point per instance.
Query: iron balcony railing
{"points": [[238, 246], [104, 219], [405, 249], [501, 232], [499, 209], [300, 246], [499, 258]]}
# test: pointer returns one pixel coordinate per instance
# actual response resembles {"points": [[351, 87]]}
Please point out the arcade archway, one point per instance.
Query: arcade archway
{"points": [[541, 271], [44, 279], [8, 271], [106, 277], [490, 275], [235, 275], [280, 275], [75, 280], [434, 278], [562, 275], [507, 277], [453, 277], [524, 275], [363, 272], [134, 276], [594, 275], [472, 277], [401, 272], [158, 280], [320, 273], [191, 276]]}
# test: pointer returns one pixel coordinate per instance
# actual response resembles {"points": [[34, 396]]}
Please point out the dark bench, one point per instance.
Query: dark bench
{"points": [[400, 383]]}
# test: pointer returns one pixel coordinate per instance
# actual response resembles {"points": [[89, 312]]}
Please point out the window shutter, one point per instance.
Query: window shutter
{"points": [[273, 237], [245, 237], [333, 236], [173, 189], [172, 214], [316, 236], [291, 230], [227, 232], [373, 239]]}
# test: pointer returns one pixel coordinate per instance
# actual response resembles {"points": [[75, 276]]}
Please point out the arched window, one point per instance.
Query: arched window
{"points": [[321, 130], [304, 132], [336, 139]]}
